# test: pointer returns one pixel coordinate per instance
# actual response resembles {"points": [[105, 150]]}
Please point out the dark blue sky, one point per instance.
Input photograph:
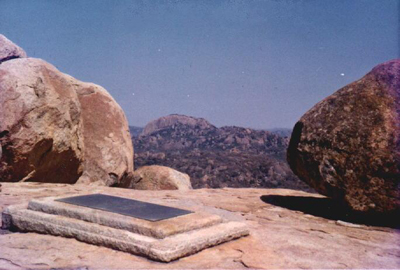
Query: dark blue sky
{"points": [[259, 64]]}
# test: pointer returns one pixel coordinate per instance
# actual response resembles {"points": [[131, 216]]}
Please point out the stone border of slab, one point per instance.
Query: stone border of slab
{"points": [[158, 229], [178, 244]]}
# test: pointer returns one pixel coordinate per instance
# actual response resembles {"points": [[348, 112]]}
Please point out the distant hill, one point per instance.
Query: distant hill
{"points": [[135, 131], [216, 157], [284, 132]]}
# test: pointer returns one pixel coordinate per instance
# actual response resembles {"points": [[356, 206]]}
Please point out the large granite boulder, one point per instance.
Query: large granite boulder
{"points": [[348, 145], [40, 124], [108, 146], [54, 128], [156, 177], [9, 50]]}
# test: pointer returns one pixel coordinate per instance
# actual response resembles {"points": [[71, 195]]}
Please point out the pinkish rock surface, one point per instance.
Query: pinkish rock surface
{"points": [[56, 129], [286, 230], [40, 123], [108, 149]]}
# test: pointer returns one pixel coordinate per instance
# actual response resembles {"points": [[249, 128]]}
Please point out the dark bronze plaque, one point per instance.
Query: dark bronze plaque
{"points": [[127, 207]]}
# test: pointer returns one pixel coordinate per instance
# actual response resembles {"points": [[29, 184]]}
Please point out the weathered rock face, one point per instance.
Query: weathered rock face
{"points": [[54, 128], [40, 124], [348, 145], [157, 178], [108, 147], [9, 50]]}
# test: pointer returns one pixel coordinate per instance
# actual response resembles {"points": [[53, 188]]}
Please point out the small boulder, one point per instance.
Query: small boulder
{"points": [[348, 146], [8, 50], [157, 178]]}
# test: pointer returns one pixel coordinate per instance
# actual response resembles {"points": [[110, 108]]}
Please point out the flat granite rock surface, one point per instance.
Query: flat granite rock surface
{"points": [[289, 229]]}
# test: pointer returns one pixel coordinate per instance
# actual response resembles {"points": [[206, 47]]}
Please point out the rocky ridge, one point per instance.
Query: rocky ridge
{"points": [[170, 120], [216, 157]]}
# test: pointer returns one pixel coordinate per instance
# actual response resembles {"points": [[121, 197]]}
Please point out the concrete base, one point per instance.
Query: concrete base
{"points": [[164, 240]]}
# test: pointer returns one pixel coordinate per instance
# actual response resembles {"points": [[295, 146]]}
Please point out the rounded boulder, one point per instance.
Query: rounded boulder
{"points": [[348, 145], [156, 177], [56, 129], [40, 124]]}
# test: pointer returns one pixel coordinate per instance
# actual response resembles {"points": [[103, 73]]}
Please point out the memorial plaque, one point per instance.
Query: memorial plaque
{"points": [[127, 207]]}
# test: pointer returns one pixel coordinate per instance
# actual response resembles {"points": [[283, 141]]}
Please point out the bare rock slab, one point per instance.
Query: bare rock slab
{"points": [[164, 240], [282, 236]]}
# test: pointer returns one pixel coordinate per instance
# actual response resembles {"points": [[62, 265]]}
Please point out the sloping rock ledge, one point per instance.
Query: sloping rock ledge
{"points": [[289, 229]]}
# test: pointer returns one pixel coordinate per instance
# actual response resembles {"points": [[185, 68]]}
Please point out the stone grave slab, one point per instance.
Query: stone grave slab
{"points": [[158, 229], [163, 240], [128, 207]]}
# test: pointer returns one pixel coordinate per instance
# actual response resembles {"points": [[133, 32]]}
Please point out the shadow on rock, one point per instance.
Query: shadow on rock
{"points": [[330, 209]]}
